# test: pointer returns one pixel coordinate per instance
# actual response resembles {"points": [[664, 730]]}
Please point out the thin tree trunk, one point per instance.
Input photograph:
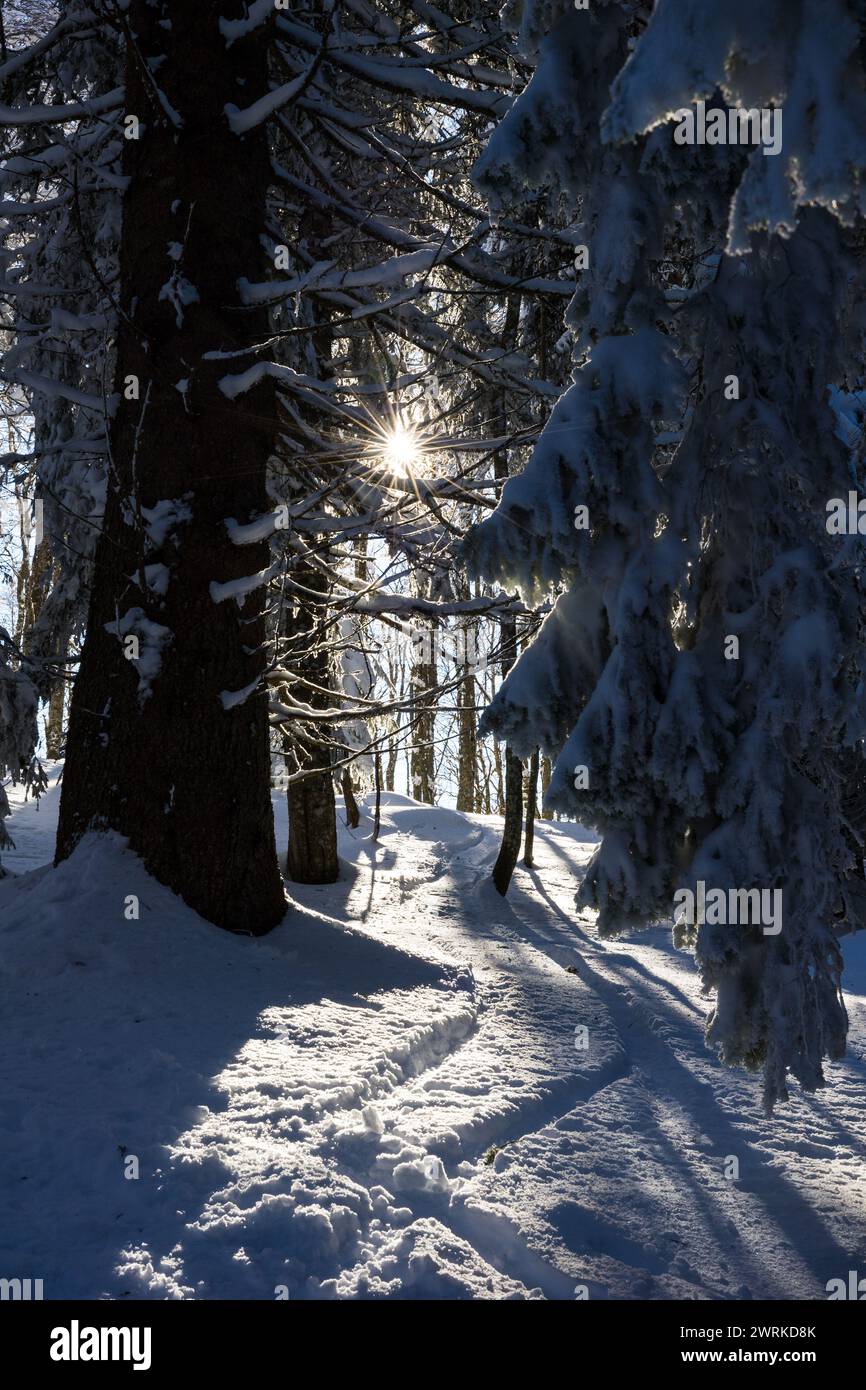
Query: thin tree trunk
{"points": [[54, 721], [531, 804], [467, 722], [155, 749], [312, 847], [467, 745], [500, 784], [34, 586], [424, 683], [377, 814], [312, 850], [391, 764], [353, 815], [510, 848], [546, 773]]}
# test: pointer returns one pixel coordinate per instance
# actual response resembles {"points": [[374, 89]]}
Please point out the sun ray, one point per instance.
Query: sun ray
{"points": [[401, 449]]}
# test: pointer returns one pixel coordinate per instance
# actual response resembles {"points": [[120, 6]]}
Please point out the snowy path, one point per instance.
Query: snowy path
{"points": [[397, 1110]]}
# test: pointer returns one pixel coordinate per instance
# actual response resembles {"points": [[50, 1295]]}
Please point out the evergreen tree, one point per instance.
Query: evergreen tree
{"points": [[700, 676]]}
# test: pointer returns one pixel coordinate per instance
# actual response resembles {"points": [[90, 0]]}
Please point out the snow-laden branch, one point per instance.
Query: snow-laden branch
{"points": [[321, 276], [47, 386], [394, 76], [258, 13], [243, 121], [21, 60], [410, 604], [478, 266], [239, 588], [57, 115]]}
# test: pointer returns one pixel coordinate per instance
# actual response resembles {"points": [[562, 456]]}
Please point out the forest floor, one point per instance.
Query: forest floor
{"points": [[386, 1097]]}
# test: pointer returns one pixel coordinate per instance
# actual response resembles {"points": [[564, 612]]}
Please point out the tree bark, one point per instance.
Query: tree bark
{"points": [[54, 721], [500, 785], [353, 815], [546, 774], [377, 813], [531, 805], [312, 847], [312, 850], [312, 856], [391, 764], [467, 720], [510, 848], [424, 723], [154, 752]]}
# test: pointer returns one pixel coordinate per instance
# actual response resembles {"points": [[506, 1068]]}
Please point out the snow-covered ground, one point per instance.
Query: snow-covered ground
{"points": [[387, 1096]]}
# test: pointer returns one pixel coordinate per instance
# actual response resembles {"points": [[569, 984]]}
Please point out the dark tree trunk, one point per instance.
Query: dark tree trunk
{"points": [[312, 851], [160, 757], [353, 815], [312, 856], [312, 847], [510, 847], [531, 805], [467, 724], [34, 586], [500, 785], [467, 744], [377, 814]]}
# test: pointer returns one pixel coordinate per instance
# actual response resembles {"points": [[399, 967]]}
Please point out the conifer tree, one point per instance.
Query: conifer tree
{"points": [[699, 679]]}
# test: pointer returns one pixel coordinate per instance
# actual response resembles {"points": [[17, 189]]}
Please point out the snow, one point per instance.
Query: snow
{"points": [[258, 12], [152, 640], [70, 111], [243, 121], [179, 292], [231, 698], [385, 1097], [164, 518], [239, 588]]}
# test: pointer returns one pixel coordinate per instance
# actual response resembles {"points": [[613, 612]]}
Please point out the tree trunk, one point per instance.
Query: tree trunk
{"points": [[312, 851], [353, 815], [312, 856], [391, 764], [312, 847], [377, 813], [546, 773], [510, 847], [54, 721], [155, 751], [500, 785], [531, 804], [423, 724], [467, 745], [467, 721]]}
